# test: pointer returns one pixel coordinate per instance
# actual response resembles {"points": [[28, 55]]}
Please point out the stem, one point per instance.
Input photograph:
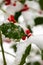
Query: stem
{"points": [[8, 53], [42, 54], [4, 60], [3, 10]]}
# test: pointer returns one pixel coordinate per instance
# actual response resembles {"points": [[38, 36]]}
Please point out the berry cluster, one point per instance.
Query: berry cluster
{"points": [[11, 19]]}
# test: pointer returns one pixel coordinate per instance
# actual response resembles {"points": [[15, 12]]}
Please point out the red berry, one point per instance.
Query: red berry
{"points": [[27, 31], [14, 4], [24, 37], [7, 2], [25, 5], [29, 34], [40, 12], [25, 8], [11, 19]]}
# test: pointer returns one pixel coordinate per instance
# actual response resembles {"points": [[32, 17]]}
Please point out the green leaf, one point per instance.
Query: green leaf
{"points": [[22, 1], [41, 4], [42, 54], [28, 63], [12, 31], [36, 63], [29, 28], [17, 14], [0, 37], [38, 20], [27, 52], [14, 47], [30, 0]]}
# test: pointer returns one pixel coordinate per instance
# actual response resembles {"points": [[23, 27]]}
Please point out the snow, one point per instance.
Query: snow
{"points": [[9, 58], [35, 39]]}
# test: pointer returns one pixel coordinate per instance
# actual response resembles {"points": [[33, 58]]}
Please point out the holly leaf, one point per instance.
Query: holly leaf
{"points": [[17, 14], [12, 31], [41, 4], [30, 0], [28, 63], [0, 38], [22, 1], [38, 20], [26, 53], [14, 47], [29, 28], [36, 63]]}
